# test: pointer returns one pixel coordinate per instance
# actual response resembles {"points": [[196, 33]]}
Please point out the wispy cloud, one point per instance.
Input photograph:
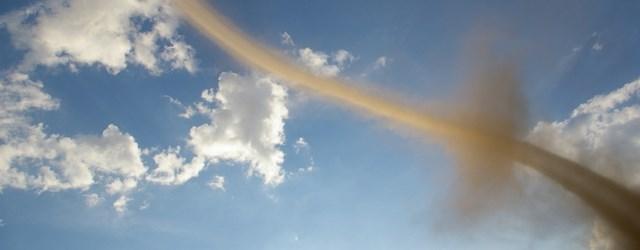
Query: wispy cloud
{"points": [[286, 39]]}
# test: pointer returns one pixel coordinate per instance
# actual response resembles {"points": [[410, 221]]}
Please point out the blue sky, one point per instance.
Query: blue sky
{"points": [[121, 127]]}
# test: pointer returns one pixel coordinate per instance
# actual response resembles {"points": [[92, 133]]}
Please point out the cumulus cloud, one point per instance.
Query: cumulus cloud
{"points": [[92, 199], [181, 56], [110, 34], [604, 134], [31, 158], [69, 163], [106, 33], [119, 186], [120, 205], [19, 95], [247, 114], [217, 183], [320, 63], [72, 33], [246, 126], [172, 169]]}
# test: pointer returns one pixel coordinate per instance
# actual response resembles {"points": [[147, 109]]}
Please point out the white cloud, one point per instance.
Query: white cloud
{"points": [[72, 33], [247, 116], [92, 199], [2, 223], [68, 163], [246, 126], [120, 205], [247, 112], [300, 144], [107, 33], [172, 169], [381, 62], [342, 57], [181, 56], [318, 62], [32, 159], [19, 95], [286, 39], [604, 134], [322, 64], [597, 46], [604, 103], [145, 204], [119, 186], [208, 95], [217, 183]]}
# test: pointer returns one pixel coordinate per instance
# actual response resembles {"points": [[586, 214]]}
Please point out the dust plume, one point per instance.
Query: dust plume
{"points": [[491, 101], [479, 137]]}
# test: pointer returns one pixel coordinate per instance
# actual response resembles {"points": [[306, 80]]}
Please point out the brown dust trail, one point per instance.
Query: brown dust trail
{"points": [[615, 203]]}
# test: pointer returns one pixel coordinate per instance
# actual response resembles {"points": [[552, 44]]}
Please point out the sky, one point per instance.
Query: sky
{"points": [[122, 127]]}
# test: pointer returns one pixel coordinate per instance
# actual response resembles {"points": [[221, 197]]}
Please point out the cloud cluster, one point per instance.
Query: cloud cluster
{"points": [[92, 199], [172, 168], [30, 158], [247, 115], [217, 183], [604, 134], [106, 33], [33, 159], [322, 64], [246, 112], [73, 33]]}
